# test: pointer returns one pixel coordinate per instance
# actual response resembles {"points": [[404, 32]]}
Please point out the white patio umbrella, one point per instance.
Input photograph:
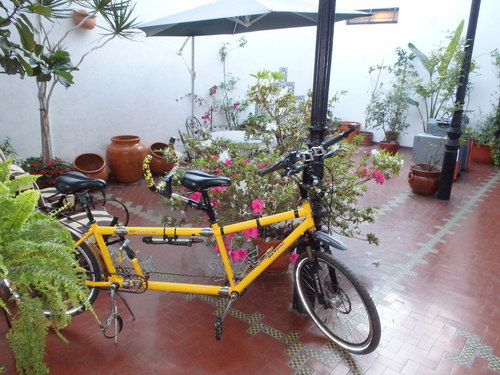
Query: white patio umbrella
{"points": [[234, 17]]}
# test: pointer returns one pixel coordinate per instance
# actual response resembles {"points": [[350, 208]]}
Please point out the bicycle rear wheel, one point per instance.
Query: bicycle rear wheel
{"points": [[338, 303]]}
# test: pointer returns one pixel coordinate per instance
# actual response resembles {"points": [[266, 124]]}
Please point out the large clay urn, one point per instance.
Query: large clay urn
{"points": [[424, 179], [125, 155]]}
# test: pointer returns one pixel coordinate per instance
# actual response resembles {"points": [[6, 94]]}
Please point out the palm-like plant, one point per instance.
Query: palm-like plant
{"points": [[41, 52]]}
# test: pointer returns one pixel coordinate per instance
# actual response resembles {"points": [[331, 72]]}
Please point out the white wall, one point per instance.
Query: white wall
{"points": [[131, 87]]}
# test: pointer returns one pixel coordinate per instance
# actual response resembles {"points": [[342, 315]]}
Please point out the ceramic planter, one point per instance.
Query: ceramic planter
{"points": [[91, 165], [391, 147], [424, 179], [80, 15], [125, 155], [367, 138], [279, 265], [158, 164], [481, 154]]}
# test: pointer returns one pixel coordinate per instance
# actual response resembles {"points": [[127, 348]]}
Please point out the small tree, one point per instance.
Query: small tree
{"points": [[42, 55]]}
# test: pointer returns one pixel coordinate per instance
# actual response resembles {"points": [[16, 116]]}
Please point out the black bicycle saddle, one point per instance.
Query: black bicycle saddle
{"points": [[73, 182], [198, 181]]}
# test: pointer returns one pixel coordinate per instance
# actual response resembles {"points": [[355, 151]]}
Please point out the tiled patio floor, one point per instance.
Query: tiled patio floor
{"points": [[434, 279]]}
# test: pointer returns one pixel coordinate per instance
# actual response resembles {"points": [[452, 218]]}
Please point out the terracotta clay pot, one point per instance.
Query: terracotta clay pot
{"points": [[367, 138], [158, 164], [91, 165], [424, 179], [125, 155], [344, 125], [79, 15], [279, 265], [390, 147], [481, 154]]}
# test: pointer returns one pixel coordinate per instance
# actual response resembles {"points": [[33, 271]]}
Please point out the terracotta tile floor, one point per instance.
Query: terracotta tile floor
{"points": [[434, 279]]}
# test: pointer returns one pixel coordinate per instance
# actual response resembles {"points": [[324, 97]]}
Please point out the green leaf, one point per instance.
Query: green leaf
{"points": [[422, 57], [40, 9], [412, 102], [66, 78], [26, 35], [451, 49]]}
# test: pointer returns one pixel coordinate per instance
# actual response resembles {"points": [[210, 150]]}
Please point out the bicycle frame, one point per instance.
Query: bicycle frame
{"points": [[215, 231]]}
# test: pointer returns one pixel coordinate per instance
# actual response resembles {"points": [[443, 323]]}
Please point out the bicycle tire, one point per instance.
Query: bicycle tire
{"points": [[348, 316], [88, 261]]}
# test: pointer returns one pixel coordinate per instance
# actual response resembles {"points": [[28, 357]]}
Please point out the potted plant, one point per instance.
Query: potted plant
{"points": [[388, 109], [486, 139], [36, 253], [436, 90], [162, 159], [250, 195], [423, 178]]}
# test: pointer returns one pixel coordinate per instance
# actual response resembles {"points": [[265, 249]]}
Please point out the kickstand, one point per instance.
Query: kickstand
{"points": [[219, 321], [126, 305], [113, 317]]}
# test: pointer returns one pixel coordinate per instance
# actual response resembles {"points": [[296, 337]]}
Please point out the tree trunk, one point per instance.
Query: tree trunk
{"points": [[43, 100]]}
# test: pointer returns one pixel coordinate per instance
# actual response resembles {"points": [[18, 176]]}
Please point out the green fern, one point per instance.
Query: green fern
{"points": [[37, 257]]}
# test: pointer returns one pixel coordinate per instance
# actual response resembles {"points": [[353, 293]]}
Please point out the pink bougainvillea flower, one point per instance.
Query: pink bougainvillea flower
{"points": [[245, 161], [379, 177], [236, 105], [195, 196], [250, 233], [228, 162], [257, 207], [293, 258], [214, 157], [261, 165], [238, 255], [217, 170]]}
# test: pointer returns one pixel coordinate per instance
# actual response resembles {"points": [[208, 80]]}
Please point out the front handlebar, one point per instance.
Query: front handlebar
{"points": [[287, 160]]}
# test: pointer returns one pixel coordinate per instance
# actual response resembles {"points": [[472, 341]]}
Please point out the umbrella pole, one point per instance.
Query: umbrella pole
{"points": [[193, 76]]}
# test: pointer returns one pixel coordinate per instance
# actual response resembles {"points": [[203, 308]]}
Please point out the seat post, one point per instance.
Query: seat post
{"points": [[84, 199], [208, 207]]}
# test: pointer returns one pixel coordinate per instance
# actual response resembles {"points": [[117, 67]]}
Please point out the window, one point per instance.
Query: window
{"points": [[386, 15]]}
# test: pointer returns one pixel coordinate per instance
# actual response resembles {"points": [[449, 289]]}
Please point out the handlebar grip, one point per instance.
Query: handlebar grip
{"points": [[340, 136], [274, 166]]}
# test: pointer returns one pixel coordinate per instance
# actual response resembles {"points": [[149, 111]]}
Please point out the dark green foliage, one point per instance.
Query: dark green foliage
{"points": [[37, 258]]}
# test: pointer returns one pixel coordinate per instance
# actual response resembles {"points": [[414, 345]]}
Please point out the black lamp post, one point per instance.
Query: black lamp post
{"points": [[455, 131]]}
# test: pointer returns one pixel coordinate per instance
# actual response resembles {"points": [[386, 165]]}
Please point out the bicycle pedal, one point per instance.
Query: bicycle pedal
{"points": [[218, 329]]}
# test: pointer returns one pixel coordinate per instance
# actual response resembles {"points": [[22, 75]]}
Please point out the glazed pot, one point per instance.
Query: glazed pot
{"points": [[158, 164], [125, 155], [91, 165], [424, 179]]}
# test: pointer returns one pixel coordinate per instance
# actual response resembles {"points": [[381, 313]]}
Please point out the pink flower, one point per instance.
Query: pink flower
{"points": [[261, 165], [228, 162], [257, 207], [245, 161], [238, 255], [293, 258], [218, 188], [250, 233], [195, 196], [217, 170], [236, 105], [214, 157], [379, 177]]}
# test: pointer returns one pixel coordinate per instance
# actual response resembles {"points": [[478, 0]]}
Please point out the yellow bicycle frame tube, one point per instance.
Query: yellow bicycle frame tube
{"points": [[218, 233]]}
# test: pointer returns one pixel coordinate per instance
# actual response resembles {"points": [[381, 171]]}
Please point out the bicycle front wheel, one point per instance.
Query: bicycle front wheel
{"points": [[337, 302]]}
